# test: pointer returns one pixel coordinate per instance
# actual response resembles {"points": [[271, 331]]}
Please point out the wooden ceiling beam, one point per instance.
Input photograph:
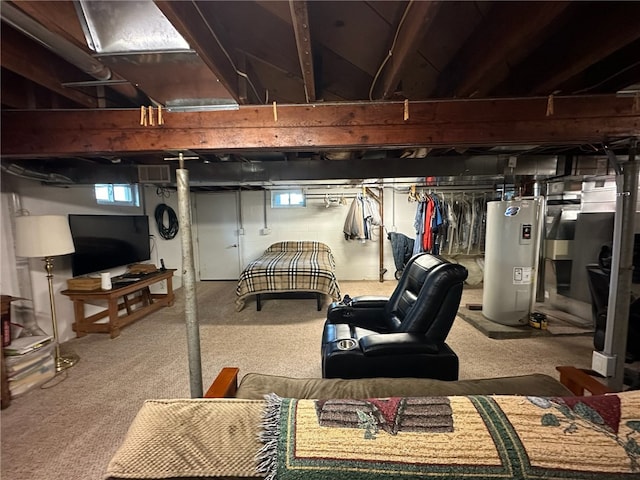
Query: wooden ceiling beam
{"points": [[614, 73], [199, 34], [574, 120], [60, 17], [33, 62], [477, 69], [573, 49], [23, 94], [246, 28], [300, 20], [249, 92], [617, 30], [410, 34]]}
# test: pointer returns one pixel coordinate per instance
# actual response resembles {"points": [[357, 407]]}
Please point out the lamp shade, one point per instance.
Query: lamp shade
{"points": [[43, 236]]}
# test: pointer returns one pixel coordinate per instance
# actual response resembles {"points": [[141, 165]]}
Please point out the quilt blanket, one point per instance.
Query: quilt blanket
{"points": [[457, 437], [290, 267]]}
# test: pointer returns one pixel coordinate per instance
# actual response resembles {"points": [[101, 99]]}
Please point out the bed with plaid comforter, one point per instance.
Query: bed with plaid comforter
{"points": [[289, 267]]}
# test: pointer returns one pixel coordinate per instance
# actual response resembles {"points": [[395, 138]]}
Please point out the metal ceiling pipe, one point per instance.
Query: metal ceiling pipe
{"points": [[67, 50], [64, 48]]}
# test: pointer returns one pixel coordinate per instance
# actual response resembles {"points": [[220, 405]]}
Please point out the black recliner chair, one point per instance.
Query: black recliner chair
{"points": [[400, 336]]}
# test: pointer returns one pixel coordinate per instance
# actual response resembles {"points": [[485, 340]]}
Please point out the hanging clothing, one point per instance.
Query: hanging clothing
{"points": [[431, 224], [371, 212], [362, 216], [427, 237], [418, 225], [354, 227], [436, 224], [402, 248]]}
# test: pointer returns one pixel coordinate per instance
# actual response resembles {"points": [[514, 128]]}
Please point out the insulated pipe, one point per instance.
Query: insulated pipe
{"points": [[64, 48], [538, 256], [382, 236], [264, 208], [67, 50], [615, 342], [540, 247], [188, 282]]}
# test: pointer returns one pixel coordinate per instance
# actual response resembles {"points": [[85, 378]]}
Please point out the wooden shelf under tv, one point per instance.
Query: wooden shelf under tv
{"points": [[135, 298]]}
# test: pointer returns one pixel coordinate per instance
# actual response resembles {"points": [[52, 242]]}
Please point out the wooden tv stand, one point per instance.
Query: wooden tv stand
{"points": [[139, 289]]}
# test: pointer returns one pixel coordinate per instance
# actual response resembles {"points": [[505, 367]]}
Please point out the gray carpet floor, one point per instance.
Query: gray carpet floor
{"points": [[70, 431]]}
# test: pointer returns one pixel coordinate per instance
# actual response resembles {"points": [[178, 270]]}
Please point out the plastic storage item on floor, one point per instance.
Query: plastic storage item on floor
{"points": [[39, 374]]}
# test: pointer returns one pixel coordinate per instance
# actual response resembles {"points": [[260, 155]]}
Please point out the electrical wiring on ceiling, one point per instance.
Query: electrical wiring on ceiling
{"points": [[390, 53]]}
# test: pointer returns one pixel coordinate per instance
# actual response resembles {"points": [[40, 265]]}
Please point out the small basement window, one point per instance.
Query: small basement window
{"points": [[117, 194], [288, 199]]}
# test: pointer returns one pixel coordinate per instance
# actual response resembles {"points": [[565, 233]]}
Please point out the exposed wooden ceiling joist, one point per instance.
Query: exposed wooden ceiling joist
{"points": [[28, 59], [575, 47], [249, 51], [59, 17], [269, 39], [573, 120], [186, 17], [414, 24], [620, 28], [300, 20], [477, 69]]}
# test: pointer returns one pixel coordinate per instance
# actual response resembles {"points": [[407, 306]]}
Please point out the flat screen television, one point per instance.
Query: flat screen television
{"points": [[108, 241]]}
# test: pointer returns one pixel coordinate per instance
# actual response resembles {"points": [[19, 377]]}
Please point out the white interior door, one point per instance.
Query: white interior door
{"points": [[218, 250]]}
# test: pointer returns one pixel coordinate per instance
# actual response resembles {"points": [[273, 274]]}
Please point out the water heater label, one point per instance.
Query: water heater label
{"points": [[511, 211], [521, 275]]}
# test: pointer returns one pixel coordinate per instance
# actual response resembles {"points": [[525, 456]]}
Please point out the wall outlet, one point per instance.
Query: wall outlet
{"points": [[603, 364], [241, 231], [265, 231]]}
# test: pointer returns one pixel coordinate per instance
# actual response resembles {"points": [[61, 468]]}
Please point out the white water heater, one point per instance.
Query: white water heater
{"points": [[510, 260]]}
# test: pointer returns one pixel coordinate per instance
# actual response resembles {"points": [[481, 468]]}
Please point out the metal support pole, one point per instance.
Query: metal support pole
{"points": [[537, 292], [615, 343], [382, 236], [542, 236], [188, 281]]}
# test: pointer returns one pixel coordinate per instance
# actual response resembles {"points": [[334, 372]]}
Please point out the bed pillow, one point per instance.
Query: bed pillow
{"points": [[302, 246]]}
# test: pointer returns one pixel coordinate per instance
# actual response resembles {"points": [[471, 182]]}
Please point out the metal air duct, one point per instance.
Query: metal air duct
{"points": [[64, 48]]}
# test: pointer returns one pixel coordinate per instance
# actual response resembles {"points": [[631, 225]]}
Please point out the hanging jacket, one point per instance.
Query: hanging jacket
{"points": [[427, 237], [402, 248], [354, 227], [418, 224], [371, 212]]}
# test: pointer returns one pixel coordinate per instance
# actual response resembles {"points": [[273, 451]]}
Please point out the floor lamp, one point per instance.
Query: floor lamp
{"points": [[47, 236]]}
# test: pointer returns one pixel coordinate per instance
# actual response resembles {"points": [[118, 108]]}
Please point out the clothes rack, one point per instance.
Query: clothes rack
{"points": [[451, 221]]}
